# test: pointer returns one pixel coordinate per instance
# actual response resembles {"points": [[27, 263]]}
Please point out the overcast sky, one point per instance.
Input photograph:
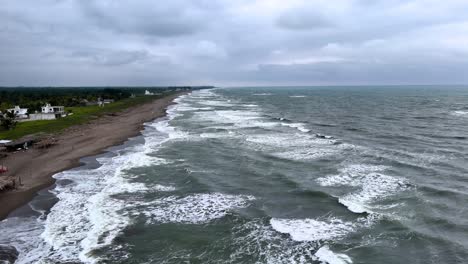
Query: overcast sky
{"points": [[233, 42]]}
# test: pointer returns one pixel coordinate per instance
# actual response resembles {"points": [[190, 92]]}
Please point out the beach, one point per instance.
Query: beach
{"points": [[36, 167]]}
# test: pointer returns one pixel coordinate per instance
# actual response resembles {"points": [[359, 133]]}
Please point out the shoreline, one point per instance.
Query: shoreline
{"points": [[37, 166]]}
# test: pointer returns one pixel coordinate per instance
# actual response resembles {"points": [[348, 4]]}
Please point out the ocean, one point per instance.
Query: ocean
{"points": [[268, 175]]}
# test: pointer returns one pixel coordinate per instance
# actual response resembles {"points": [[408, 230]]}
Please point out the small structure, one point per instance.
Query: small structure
{"points": [[20, 113], [20, 144], [148, 92], [7, 183], [102, 102], [49, 112], [57, 110]]}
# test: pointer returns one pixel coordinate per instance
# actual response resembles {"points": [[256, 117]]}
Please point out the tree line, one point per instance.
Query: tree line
{"points": [[35, 98]]}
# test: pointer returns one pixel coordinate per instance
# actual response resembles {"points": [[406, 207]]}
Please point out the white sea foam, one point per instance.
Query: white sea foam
{"points": [[218, 135], [164, 188], [189, 108], [261, 94], [459, 113], [310, 153], [297, 96], [370, 181], [216, 103], [299, 126], [279, 140], [311, 229], [172, 133], [349, 174], [194, 209], [24, 234], [301, 147], [234, 118], [325, 255], [87, 216], [264, 240], [254, 238]]}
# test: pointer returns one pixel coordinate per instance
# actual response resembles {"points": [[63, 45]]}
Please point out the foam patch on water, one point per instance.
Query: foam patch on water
{"points": [[348, 175], [325, 255], [216, 103], [299, 126], [164, 188], [297, 96], [261, 94], [194, 209], [24, 234], [235, 118], [262, 241], [371, 182], [300, 147], [169, 130], [280, 140], [188, 108], [218, 135], [254, 238], [311, 229], [459, 113], [303, 154]]}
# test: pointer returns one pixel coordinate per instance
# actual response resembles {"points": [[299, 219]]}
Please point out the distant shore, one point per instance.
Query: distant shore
{"points": [[36, 167]]}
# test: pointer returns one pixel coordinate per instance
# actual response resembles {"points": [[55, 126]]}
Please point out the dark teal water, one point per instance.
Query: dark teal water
{"points": [[270, 175]]}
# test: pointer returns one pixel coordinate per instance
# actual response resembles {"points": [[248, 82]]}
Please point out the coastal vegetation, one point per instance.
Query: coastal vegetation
{"points": [[75, 101]]}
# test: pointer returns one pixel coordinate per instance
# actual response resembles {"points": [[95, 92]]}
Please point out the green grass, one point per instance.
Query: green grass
{"points": [[80, 115]]}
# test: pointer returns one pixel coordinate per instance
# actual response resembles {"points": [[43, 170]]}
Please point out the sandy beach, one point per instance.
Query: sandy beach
{"points": [[36, 166]]}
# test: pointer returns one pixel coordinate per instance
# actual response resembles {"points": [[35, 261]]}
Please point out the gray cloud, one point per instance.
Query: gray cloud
{"points": [[302, 20], [144, 17], [146, 42]]}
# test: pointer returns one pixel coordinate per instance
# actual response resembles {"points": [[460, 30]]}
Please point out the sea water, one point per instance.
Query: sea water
{"points": [[269, 175]]}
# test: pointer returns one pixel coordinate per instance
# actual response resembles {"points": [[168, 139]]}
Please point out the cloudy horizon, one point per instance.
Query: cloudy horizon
{"points": [[232, 43]]}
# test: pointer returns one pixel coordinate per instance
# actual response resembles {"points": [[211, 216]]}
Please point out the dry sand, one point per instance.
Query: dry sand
{"points": [[36, 166]]}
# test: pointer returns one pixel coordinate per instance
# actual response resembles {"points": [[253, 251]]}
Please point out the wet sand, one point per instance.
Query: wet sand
{"points": [[36, 166]]}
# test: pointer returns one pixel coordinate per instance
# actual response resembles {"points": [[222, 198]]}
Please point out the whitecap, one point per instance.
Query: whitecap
{"points": [[269, 245], [371, 182], [459, 113], [325, 255], [194, 209], [311, 229], [164, 188], [299, 126], [216, 103]]}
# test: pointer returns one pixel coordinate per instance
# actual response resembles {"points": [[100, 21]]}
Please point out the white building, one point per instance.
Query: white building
{"points": [[20, 113], [48, 109], [49, 112]]}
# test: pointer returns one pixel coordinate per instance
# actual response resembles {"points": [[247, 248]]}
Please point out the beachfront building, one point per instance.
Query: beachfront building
{"points": [[49, 112], [20, 113], [48, 109], [102, 102]]}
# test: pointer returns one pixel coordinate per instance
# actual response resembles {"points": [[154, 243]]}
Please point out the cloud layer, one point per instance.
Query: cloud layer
{"points": [[221, 42]]}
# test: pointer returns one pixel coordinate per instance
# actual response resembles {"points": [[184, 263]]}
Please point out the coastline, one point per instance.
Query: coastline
{"points": [[37, 166]]}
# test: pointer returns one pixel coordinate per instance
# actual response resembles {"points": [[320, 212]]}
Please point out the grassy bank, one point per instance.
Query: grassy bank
{"points": [[80, 115]]}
